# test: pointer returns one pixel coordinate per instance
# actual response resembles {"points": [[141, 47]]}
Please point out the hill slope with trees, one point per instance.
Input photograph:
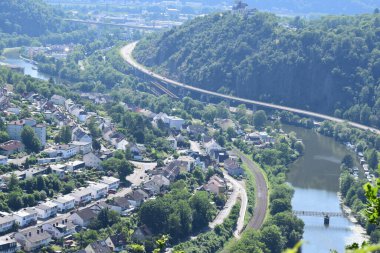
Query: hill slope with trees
{"points": [[30, 17], [329, 65]]}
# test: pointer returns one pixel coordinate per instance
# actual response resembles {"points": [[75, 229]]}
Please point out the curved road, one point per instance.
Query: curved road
{"points": [[261, 202], [126, 53]]}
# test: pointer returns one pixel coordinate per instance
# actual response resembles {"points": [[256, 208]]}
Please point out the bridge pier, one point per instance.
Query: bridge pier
{"points": [[326, 220]]}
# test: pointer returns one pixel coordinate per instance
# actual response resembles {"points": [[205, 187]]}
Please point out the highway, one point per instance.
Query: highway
{"points": [[126, 53]]}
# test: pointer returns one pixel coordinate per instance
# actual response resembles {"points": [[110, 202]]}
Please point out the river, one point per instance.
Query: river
{"points": [[315, 178], [29, 68]]}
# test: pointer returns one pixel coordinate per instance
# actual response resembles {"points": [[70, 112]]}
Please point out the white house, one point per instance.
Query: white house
{"points": [[92, 161], [8, 244], [74, 165], [98, 190], [46, 210], [122, 145], [82, 196], [83, 217], [66, 151], [6, 223], [65, 203], [82, 147], [33, 238], [59, 227], [25, 217], [112, 182], [172, 121]]}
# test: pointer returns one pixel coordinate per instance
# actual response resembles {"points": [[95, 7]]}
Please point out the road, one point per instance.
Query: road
{"points": [[261, 203], [238, 191], [126, 53]]}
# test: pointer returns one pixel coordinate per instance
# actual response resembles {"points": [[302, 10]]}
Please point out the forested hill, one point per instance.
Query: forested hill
{"points": [[329, 65], [30, 17]]}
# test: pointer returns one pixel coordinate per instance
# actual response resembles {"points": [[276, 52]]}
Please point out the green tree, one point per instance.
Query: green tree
{"points": [[202, 210], [259, 119], [348, 161], [65, 134], [30, 139], [272, 238], [373, 159]]}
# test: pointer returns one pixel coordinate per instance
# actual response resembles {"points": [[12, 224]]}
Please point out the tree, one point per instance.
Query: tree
{"points": [[280, 205], [202, 210], [272, 238], [65, 134], [30, 139], [372, 159], [346, 181], [348, 161], [300, 147], [13, 182], [15, 201], [259, 119], [96, 144]]}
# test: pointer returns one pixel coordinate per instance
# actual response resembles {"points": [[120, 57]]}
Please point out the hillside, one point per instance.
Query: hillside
{"points": [[30, 17], [330, 65], [300, 7]]}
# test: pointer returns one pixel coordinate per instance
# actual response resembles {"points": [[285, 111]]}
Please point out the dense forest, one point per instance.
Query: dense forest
{"points": [[30, 17], [329, 65]]}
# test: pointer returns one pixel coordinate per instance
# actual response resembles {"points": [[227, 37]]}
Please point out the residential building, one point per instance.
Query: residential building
{"points": [[11, 147], [80, 135], [7, 222], [46, 210], [142, 233], [65, 203], [92, 161], [25, 217], [112, 182], [82, 147], [116, 242], [8, 244], [120, 205], [58, 100], [233, 167], [157, 184], [172, 141], [83, 217], [14, 129], [59, 227], [137, 197], [33, 238], [74, 165], [66, 151], [36, 171], [212, 147], [98, 247], [172, 121], [81, 196], [98, 190], [216, 185]]}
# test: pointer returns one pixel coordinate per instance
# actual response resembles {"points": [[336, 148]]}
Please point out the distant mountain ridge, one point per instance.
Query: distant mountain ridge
{"points": [[330, 65]]}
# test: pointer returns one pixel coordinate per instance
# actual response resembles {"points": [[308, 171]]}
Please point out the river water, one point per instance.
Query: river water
{"points": [[29, 68], [315, 178]]}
